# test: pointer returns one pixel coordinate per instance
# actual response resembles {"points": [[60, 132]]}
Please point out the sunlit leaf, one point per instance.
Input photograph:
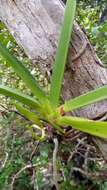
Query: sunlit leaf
{"points": [[23, 72], [62, 51], [19, 96], [96, 128], [86, 99], [28, 114]]}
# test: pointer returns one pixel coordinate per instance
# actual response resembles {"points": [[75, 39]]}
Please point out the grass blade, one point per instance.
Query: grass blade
{"points": [[95, 128], [58, 70], [23, 72], [86, 99], [16, 95]]}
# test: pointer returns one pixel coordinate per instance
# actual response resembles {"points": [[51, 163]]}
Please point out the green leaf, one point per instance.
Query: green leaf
{"points": [[16, 95], [29, 115], [34, 119], [23, 72], [96, 128], [58, 70], [86, 99]]}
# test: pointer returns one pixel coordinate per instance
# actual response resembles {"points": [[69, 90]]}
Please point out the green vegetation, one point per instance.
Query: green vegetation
{"points": [[89, 16], [47, 108], [41, 108]]}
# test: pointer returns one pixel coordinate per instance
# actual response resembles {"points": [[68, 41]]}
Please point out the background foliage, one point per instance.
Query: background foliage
{"points": [[17, 143], [92, 16]]}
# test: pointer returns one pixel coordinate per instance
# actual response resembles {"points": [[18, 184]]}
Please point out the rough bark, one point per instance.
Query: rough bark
{"points": [[35, 24]]}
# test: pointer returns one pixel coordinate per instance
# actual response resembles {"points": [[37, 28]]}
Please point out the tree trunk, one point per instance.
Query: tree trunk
{"points": [[35, 24]]}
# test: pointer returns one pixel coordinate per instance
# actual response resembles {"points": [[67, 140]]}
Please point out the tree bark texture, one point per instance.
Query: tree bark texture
{"points": [[35, 24]]}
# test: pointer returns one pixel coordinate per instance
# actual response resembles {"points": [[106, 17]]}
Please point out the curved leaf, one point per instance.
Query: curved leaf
{"points": [[16, 95], [29, 115], [86, 99], [23, 72], [96, 128]]}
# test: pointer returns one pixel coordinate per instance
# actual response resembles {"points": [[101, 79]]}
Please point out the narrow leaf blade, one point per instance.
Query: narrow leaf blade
{"points": [[28, 114], [16, 95], [58, 70], [34, 119], [23, 72], [95, 128], [86, 99]]}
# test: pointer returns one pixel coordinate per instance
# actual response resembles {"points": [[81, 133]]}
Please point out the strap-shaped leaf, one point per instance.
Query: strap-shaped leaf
{"points": [[58, 70], [29, 115], [96, 128], [86, 99], [23, 72], [34, 119], [16, 95]]}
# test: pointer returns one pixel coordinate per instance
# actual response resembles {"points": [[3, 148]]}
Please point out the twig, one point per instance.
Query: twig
{"points": [[86, 159], [34, 151], [18, 173], [4, 163], [89, 158], [101, 175], [7, 110], [34, 179], [55, 175], [80, 141]]}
